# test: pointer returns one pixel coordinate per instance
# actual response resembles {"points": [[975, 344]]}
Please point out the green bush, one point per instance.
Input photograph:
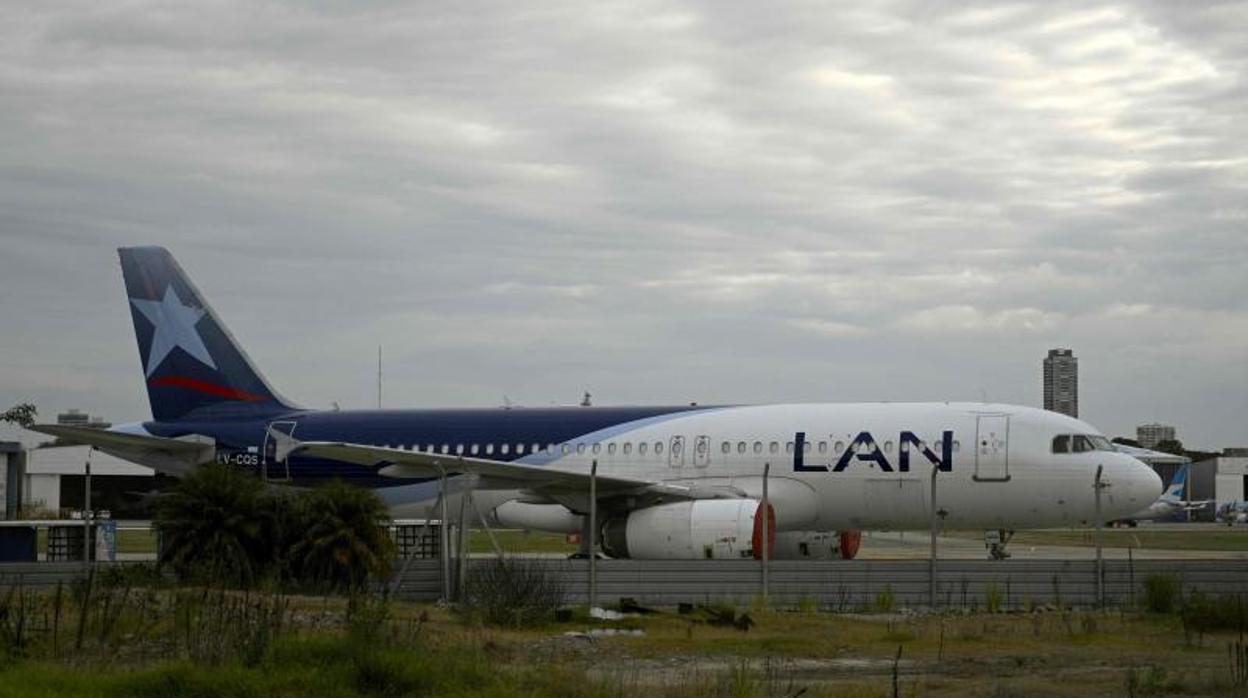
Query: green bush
{"points": [[221, 527], [513, 592], [1161, 593]]}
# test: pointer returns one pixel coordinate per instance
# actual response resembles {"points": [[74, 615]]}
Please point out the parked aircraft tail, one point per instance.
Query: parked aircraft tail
{"points": [[191, 362]]}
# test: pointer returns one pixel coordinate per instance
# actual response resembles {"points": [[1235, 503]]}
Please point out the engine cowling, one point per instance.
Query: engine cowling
{"points": [[701, 529]]}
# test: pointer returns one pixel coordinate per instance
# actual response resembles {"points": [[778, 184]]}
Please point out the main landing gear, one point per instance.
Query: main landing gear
{"points": [[995, 541]]}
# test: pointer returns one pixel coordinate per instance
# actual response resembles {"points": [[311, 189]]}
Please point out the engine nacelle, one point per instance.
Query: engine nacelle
{"points": [[701, 529], [539, 517]]}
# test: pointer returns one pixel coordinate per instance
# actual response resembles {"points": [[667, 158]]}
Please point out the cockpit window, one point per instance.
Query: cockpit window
{"points": [[1081, 443], [1061, 443], [1101, 443]]}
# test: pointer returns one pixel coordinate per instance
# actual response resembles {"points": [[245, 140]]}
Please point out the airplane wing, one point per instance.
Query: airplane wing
{"points": [[399, 463], [174, 456]]}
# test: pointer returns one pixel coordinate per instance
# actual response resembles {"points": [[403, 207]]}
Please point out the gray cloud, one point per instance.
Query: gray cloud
{"points": [[661, 202]]}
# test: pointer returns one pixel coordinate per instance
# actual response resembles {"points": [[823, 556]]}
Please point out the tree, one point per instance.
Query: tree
{"points": [[22, 414], [343, 541], [1172, 446], [211, 527]]}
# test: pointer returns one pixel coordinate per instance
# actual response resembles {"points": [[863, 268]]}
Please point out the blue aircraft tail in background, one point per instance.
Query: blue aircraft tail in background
{"points": [[1174, 493], [191, 363]]}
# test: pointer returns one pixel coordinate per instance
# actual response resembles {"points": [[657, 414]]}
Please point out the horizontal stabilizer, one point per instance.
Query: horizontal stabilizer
{"points": [[171, 456]]}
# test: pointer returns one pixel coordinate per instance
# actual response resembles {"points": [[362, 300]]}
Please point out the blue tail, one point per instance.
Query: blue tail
{"points": [[191, 362], [1175, 491]]}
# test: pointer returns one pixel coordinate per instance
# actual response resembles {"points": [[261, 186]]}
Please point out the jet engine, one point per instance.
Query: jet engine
{"points": [[701, 529]]}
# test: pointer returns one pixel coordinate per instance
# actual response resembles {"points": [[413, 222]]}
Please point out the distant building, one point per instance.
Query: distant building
{"points": [[78, 418], [12, 474], [1222, 478], [1061, 382], [1149, 435]]}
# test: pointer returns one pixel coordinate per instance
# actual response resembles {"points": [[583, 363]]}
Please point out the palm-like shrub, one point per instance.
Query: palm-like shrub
{"points": [[210, 526], [343, 541]]}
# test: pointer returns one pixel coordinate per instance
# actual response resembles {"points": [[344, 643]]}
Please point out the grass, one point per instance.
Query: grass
{"points": [[514, 541], [164, 642]]}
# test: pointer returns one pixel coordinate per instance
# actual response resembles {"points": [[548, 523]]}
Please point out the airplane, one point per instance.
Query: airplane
{"points": [[1231, 513], [677, 482], [1171, 501]]}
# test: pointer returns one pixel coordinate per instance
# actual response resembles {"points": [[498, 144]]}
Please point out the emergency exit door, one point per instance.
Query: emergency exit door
{"points": [[992, 447]]}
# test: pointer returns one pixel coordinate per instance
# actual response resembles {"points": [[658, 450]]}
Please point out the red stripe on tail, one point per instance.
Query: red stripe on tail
{"points": [[204, 387]]}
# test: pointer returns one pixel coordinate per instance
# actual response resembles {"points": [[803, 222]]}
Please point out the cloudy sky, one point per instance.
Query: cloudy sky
{"points": [[657, 202]]}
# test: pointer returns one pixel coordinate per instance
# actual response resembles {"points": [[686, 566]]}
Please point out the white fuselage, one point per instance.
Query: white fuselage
{"points": [[1001, 470]]}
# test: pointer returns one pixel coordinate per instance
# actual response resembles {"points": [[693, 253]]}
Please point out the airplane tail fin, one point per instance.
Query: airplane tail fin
{"points": [[1174, 492], [191, 362]]}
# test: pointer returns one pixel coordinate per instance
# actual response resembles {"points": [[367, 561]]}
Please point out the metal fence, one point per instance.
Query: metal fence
{"points": [[850, 585], [847, 585]]}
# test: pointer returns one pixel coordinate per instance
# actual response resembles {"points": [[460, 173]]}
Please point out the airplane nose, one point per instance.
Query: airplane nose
{"points": [[1146, 484]]}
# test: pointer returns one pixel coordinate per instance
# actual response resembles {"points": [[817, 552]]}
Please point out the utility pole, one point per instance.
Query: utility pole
{"points": [[378, 376]]}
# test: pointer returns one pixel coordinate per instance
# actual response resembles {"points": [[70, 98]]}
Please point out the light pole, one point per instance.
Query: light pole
{"points": [[765, 511], [593, 534]]}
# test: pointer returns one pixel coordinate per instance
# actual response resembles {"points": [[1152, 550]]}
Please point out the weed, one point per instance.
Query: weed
{"points": [[994, 598], [885, 601], [513, 592], [1161, 593]]}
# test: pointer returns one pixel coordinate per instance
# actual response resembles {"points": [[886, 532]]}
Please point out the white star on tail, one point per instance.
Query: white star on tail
{"points": [[175, 327]]}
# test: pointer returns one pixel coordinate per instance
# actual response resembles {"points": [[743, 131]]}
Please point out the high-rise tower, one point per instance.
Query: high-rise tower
{"points": [[1061, 382]]}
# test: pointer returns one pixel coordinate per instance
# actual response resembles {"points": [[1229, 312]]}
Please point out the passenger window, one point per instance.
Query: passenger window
{"points": [[888, 446], [459, 448], [774, 447], [489, 449], [823, 446], [504, 448], [1061, 443], [563, 448], [519, 449], [597, 449], [726, 447], [957, 446], [840, 446], [641, 448], [806, 447], [740, 447], [658, 447], [580, 448], [473, 450], [758, 446], [611, 448], [446, 448], [788, 447], [675, 447], [628, 447]]}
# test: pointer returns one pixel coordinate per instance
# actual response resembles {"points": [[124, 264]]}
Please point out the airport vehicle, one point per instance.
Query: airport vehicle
{"points": [[1170, 503], [671, 482]]}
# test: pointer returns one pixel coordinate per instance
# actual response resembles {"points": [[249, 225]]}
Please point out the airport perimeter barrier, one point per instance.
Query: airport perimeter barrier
{"points": [[853, 585], [838, 585]]}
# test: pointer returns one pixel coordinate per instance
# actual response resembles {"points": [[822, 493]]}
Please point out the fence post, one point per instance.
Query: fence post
{"points": [[765, 511], [593, 534], [931, 581], [1099, 485]]}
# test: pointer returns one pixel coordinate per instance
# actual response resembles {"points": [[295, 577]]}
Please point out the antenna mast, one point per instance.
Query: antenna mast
{"points": [[378, 376]]}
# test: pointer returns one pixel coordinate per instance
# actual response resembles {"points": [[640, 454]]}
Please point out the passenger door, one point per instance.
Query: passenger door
{"points": [[992, 447], [276, 465]]}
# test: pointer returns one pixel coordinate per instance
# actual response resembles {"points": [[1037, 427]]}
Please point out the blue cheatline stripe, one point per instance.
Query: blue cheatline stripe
{"points": [[613, 431]]}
